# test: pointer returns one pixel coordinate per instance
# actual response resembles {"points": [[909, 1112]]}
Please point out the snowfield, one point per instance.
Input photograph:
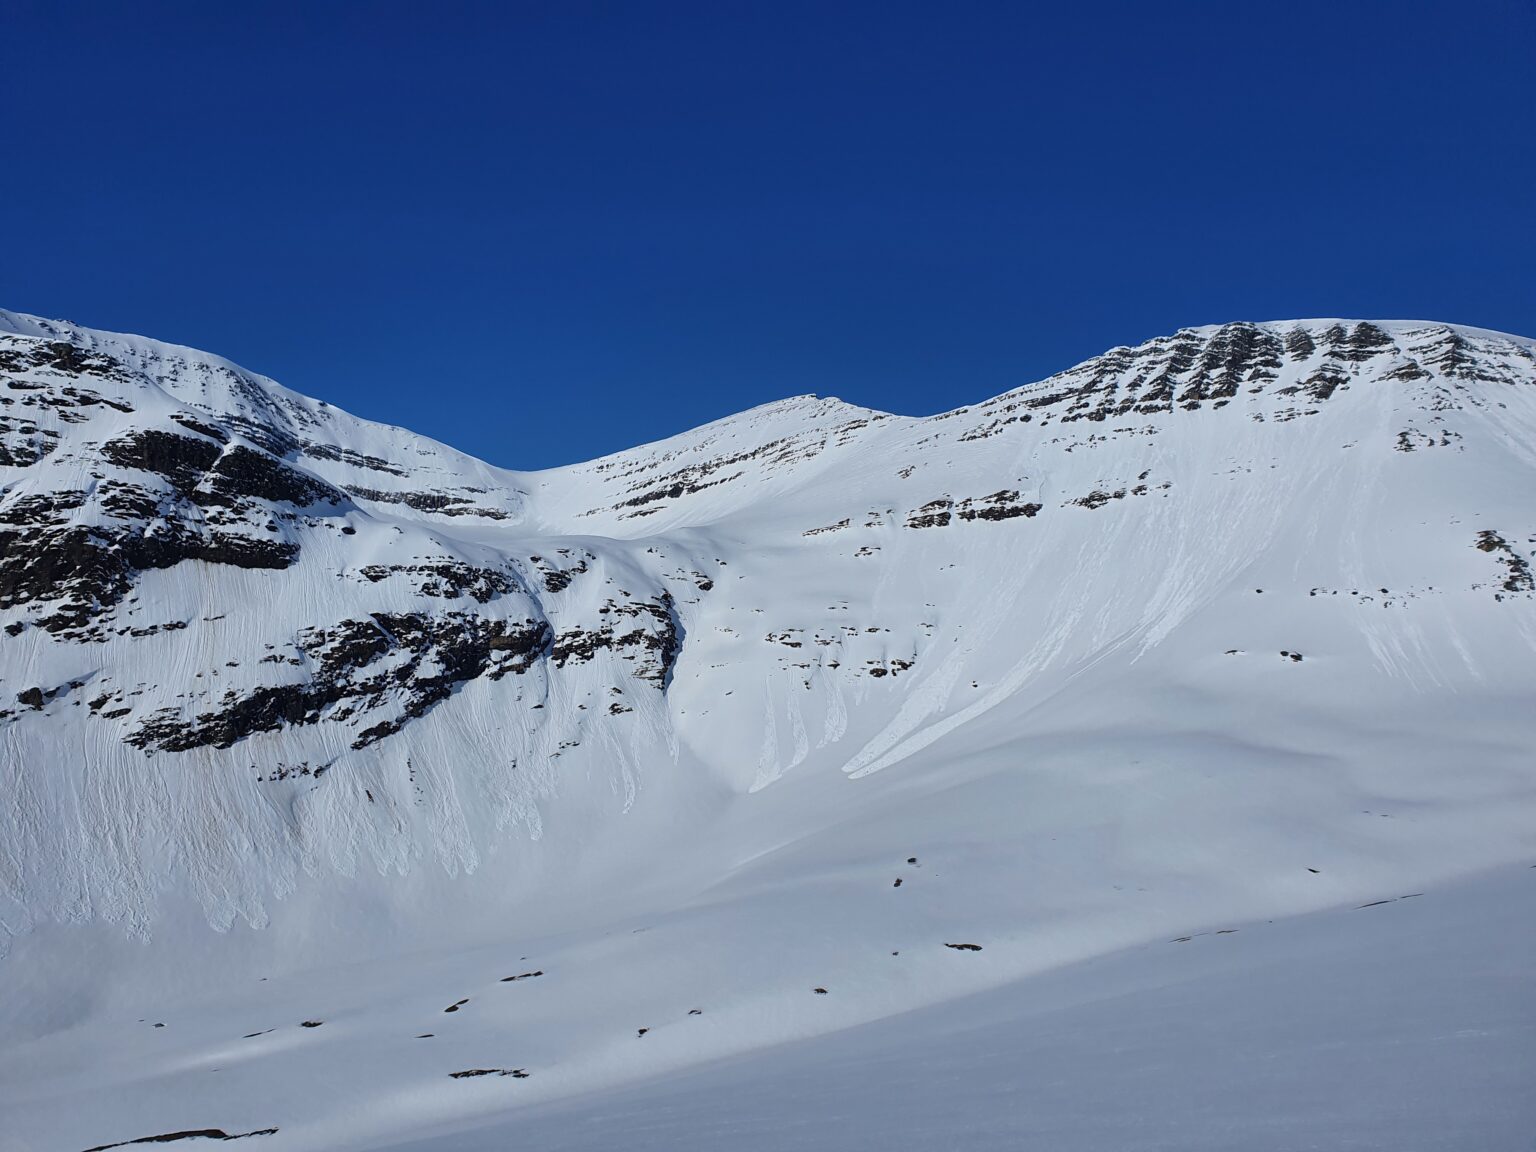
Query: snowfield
{"points": [[1142, 759]]}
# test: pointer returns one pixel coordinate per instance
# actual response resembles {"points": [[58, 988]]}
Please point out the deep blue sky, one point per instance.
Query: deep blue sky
{"points": [[546, 231]]}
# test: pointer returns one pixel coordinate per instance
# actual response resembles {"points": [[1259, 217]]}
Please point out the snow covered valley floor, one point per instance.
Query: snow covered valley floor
{"points": [[1403, 1024], [1047, 974], [1415, 1028], [1143, 759]]}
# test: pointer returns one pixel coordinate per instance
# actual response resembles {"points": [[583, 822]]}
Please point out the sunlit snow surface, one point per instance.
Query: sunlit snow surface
{"points": [[1227, 637]]}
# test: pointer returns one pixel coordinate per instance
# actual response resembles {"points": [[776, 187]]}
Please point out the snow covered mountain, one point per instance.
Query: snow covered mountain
{"points": [[1235, 626]]}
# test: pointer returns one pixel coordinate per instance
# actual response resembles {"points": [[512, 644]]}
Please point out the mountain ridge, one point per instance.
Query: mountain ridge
{"points": [[414, 792], [172, 480]]}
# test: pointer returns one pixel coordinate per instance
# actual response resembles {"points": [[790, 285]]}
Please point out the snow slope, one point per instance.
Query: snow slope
{"points": [[309, 719], [1335, 1029]]}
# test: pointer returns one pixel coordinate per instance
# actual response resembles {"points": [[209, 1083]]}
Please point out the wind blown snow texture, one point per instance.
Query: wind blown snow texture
{"points": [[1230, 627]]}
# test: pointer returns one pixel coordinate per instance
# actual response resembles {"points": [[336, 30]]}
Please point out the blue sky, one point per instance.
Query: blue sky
{"points": [[542, 232]]}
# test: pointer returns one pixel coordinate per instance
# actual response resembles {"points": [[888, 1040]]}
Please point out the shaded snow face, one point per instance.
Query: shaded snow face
{"points": [[274, 640]]}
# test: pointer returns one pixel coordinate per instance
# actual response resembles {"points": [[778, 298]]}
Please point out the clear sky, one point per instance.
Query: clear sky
{"points": [[542, 232]]}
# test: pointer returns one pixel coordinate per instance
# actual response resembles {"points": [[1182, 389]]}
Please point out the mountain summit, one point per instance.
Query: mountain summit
{"points": [[1236, 624]]}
